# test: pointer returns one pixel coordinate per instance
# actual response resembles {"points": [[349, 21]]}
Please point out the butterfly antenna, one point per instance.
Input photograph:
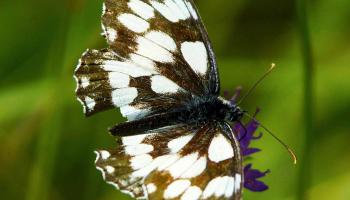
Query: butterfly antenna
{"points": [[273, 66], [290, 151]]}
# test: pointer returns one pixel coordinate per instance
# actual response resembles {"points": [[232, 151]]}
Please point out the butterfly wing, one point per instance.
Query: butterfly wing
{"points": [[159, 57], [106, 80], [178, 162]]}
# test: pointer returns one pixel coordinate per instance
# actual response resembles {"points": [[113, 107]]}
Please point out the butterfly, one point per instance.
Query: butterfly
{"points": [[160, 70]]}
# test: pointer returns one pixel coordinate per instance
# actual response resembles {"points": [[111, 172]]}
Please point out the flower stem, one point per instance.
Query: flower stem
{"points": [[308, 65]]}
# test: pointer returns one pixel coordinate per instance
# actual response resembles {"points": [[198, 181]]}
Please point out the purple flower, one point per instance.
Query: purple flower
{"points": [[246, 134], [250, 179]]}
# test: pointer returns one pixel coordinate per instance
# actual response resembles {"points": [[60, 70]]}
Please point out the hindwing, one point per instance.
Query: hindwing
{"points": [[178, 162]]}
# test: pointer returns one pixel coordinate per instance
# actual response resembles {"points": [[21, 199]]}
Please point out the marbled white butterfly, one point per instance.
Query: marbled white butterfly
{"points": [[160, 70]]}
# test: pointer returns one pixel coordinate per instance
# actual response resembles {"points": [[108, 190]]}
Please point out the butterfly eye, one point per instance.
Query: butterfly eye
{"points": [[234, 113]]}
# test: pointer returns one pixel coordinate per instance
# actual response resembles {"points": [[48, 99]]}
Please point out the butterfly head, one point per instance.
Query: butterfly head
{"points": [[233, 112]]}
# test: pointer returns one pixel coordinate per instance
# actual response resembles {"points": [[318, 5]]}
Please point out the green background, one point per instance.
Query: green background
{"points": [[46, 144]]}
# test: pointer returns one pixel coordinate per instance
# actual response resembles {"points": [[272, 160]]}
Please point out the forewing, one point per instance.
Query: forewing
{"points": [[180, 162], [161, 43], [170, 32], [105, 81]]}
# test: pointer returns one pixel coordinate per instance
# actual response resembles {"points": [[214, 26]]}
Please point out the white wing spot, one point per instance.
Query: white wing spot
{"points": [[85, 82], [153, 51], [141, 8], [133, 113], [196, 169], [161, 84], [133, 140], [118, 80], [168, 161], [162, 39], [195, 54], [110, 169], [90, 103], [111, 34], [134, 23], [182, 165], [219, 186], [183, 8], [124, 96], [143, 62], [230, 187], [151, 188], [211, 187], [140, 161], [238, 181], [192, 193], [128, 68], [220, 149], [220, 189], [192, 10], [105, 154], [171, 10], [134, 150], [165, 11], [176, 188], [175, 9], [161, 161], [177, 144]]}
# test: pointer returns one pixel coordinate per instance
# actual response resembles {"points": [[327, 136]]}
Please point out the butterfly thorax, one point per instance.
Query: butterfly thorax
{"points": [[214, 109], [232, 111]]}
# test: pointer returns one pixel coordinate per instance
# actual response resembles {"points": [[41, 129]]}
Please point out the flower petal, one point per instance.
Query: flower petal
{"points": [[249, 151], [255, 186]]}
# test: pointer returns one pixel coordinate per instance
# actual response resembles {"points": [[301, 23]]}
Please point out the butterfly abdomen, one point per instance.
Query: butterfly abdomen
{"points": [[212, 110]]}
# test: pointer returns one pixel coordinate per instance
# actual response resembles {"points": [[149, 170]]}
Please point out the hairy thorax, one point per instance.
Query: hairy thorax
{"points": [[213, 109]]}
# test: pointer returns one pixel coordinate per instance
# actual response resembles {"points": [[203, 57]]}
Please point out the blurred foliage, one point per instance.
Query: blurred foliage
{"points": [[46, 143]]}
